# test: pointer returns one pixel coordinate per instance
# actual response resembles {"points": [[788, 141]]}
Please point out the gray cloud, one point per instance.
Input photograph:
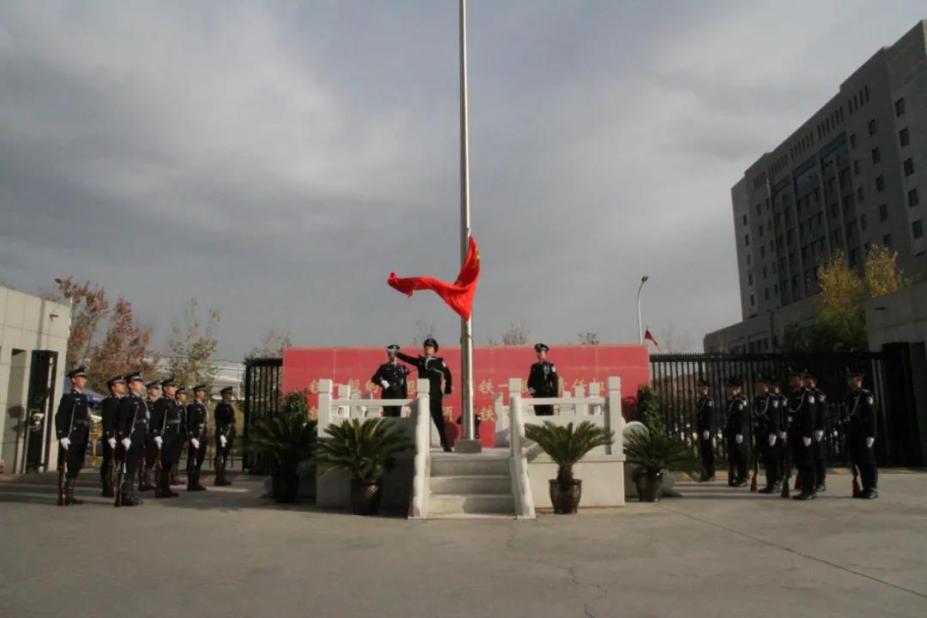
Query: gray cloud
{"points": [[278, 161]]}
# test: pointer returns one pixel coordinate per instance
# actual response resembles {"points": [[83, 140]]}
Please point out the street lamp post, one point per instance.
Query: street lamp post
{"points": [[640, 326]]}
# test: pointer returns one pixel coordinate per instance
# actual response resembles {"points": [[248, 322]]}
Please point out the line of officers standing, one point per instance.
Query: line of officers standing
{"points": [[788, 430], [145, 427]]}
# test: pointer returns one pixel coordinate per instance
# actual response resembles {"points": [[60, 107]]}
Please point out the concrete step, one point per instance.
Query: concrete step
{"points": [[471, 484], [463, 465], [462, 504]]}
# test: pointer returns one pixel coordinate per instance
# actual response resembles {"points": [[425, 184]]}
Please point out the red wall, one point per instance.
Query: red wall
{"points": [[493, 366]]}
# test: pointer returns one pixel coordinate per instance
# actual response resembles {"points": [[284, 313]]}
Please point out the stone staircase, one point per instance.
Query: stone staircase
{"points": [[471, 486]]}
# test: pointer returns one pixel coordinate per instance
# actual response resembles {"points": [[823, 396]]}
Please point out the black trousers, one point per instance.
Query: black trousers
{"points": [[544, 410], [392, 411], [195, 457], [74, 454], [106, 469], [707, 454], [803, 462], [863, 458], [134, 457], [818, 452], [737, 459], [437, 416], [170, 451], [771, 458]]}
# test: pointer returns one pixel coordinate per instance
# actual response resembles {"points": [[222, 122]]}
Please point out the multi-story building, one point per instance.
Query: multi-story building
{"points": [[854, 175]]}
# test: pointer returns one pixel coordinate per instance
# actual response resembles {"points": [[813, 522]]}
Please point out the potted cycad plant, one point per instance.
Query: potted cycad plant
{"points": [[365, 450], [284, 441], [651, 453], [566, 446]]}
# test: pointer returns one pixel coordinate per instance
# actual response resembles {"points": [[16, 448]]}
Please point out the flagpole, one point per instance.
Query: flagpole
{"points": [[468, 443]]}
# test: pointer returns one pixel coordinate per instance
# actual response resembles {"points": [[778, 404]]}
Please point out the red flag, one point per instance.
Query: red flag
{"points": [[457, 295], [647, 335]]}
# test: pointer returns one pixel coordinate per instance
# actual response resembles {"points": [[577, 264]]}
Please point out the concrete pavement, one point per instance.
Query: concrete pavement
{"points": [[227, 552]]}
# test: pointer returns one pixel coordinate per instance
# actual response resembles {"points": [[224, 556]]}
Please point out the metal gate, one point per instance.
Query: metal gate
{"points": [[675, 378], [262, 400]]}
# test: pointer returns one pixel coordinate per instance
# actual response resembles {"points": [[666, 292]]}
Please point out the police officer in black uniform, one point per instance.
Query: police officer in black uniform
{"points": [[196, 423], [800, 421], [167, 434], [781, 447], [818, 446], [392, 378], [434, 369], [72, 427], [108, 407], [704, 424], [766, 423], [735, 433], [146, 479], [225, 434], [543, 380], [861, 434], [132, 417]]}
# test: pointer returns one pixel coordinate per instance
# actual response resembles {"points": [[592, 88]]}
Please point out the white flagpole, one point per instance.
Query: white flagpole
{"points": [[468, 444]]}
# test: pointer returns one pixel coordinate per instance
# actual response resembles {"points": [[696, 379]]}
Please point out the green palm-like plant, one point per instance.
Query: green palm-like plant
{"points": [[653, 451], [566, 445], [366, 450], [284, 440]]}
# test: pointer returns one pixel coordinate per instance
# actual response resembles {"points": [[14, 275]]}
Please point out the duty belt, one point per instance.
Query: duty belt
{"points": [[173, 422]]}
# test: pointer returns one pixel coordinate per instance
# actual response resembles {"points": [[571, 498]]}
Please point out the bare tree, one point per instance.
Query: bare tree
{"points": [[192, 345], [423, 330], [589, 338], [272, 345], [515, 334]]}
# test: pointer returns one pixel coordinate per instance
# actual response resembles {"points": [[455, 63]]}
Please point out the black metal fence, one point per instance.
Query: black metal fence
{"points": [[262, 400], [675, 378]]}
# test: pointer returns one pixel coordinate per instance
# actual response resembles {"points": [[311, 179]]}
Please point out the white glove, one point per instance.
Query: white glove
{"points": [[783, 436], [806, 441], [705, 435], [384, 383], [818, 435], [222, 441], [158, 440], [126, 443], [530, 391], [195, 443], [739, 438], [111, 442], [65, 443], [870, 441], [772, 439]]}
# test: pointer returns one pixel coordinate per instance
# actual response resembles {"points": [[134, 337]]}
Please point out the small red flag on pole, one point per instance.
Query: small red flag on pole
{"points": [[458, 295], [650, 337]]}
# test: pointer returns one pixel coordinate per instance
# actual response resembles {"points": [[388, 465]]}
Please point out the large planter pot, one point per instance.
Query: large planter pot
{"points": [[565, 496], [650, 486], [284, 486], [365, 497]]}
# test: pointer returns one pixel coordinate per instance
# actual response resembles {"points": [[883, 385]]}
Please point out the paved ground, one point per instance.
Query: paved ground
{"points": [[717, 552]]}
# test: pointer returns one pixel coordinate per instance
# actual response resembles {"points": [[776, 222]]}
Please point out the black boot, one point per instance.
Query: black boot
{"points": [[147, 481], [197, 486], [69, 490]]}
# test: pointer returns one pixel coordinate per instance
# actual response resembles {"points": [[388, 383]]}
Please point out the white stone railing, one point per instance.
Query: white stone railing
{"points": [[332, 489], [521, 485]]}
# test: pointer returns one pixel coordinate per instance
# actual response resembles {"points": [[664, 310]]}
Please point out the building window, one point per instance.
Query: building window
{"points": [[763, 251], [917, 228], [908, 167], [899, 107], [880, 184], [859, 194], [913, 198], [852, 256], [883, 212], [876, 155], [853, 140], [745, 219], [747, 240], [872, 127], [752, 300], [904, 137], [862, 222], [887, 240], [856, 167]]}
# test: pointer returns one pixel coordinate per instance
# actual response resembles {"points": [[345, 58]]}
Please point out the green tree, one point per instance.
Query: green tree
{"points": [[192, 345]]}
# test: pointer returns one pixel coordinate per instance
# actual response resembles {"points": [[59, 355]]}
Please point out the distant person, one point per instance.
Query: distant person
{"points": [[735, 433], [861, 434], [543, 381], [132, 419], [225, 434], [818, 445], [146, 480], [72, 428], [766, 422], [704, 423], [392, 378], [167, 433], [181, 398], [781, 448], [800, 421], [197, 422], [433, 368], [108, 408]]}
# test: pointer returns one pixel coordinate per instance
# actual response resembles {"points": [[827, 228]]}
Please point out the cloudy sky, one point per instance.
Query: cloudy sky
{"points": [[277, 160]]}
